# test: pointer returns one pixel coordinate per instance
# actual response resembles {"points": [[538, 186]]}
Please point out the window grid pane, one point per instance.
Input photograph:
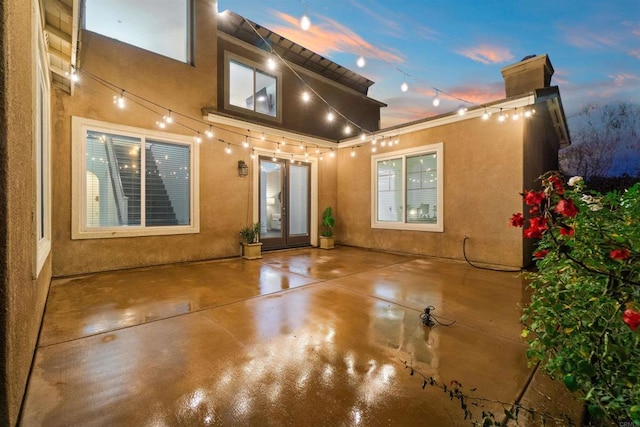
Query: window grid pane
{"points": [[421, 184], [390, 190], [167, 184]]}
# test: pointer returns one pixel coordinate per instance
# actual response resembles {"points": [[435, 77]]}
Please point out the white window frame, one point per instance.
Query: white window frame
{"points": [[79, 229], [41, 150], [228, 57], [438, 226]]}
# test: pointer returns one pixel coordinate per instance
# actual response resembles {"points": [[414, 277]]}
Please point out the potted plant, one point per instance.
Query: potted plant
{"points": [[327, 239], [250, 239]]}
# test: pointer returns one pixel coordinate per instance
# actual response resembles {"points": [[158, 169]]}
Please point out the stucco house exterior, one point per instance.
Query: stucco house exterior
{"points": [[86, 186]]}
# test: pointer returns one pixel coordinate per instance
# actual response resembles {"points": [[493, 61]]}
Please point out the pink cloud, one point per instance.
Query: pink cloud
{"points": [[635, 53], [624, 79], [330, 36], [487, 54]]}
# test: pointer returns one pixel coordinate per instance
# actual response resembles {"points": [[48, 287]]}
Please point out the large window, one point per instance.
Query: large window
{"points": [[407, 189], [252, 89], [131, 182], [163, 27], [42, 144]]}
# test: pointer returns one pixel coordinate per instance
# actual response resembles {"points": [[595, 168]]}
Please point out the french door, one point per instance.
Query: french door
{"points": [[284, 203]]}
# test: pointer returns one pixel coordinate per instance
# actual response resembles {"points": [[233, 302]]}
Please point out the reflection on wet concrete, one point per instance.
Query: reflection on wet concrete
{"points": [[251, 343]]}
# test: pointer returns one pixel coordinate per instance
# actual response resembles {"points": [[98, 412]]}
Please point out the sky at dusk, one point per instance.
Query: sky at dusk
{"points": [[459, 47]]}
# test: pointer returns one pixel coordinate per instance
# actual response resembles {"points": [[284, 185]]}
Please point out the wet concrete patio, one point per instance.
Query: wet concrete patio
{"points": [[301, 337]]}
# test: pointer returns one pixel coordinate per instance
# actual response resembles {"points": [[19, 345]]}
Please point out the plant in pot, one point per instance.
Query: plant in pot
{"points": [[327, 239], [250, 239]]}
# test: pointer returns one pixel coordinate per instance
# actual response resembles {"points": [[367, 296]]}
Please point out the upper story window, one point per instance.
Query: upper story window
{"points": [[132, 182], [408, 189], [163, 28], [251, 88]]}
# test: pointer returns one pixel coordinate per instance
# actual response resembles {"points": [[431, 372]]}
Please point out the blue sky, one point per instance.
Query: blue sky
{"points": [[459, 47]]}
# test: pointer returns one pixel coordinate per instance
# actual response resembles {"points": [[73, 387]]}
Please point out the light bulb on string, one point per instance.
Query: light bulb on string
{"points": [[263, 137], [396, 141], [301, 146], [274, 158], [119, 100], [363, 136], [501, 116], [209, 132], [361, 61], [374, 148], [306, 154], [383, 143], [305, 96], [404, 86], [353, 152], [347, 130], [527, 114], [245, 143], [317, 149], [462, 111], [277, 148], [374, 141], [436, 100], [485, 115], [168, 117], [330, 116], [161, 124], [74, 75], [228, 149], [271, 63], [332, 153], [198, 138], [253, 154], [283, 142], [321, 157], [305, 22], [515, 115]]}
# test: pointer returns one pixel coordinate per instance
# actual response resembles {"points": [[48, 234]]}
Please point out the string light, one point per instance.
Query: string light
{"points": [[284, 142], [374, 148], [436, 100], [161, 124], [305, 22], [228, 149], [353, 152], [347, 130], [501, 116], [274, 158], [317, 149], [462, 111], [330, 116], [301, 146], [253, 154], [271, 63], [396, 141], [263, 137], [119, 100], [245, 143], [404, 86], [277, 148], [305, 96], [485, 115], [198, 138], [332, 153], [168, 117], [363, 136], [374, 141], [361, 62], [209, 132]]}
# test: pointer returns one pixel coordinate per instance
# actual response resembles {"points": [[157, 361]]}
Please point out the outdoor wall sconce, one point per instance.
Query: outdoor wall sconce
{"points": [[243, 169]]}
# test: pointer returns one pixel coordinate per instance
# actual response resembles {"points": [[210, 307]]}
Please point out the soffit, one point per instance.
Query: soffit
{"points": [[243, 29], [60, 29]]}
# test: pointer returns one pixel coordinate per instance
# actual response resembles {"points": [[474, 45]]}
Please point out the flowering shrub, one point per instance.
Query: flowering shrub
{"points": [[582, 321]]}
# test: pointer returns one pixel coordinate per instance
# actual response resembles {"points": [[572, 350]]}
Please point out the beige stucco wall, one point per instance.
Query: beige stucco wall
{"points": [[483, 172], [22, 297]]}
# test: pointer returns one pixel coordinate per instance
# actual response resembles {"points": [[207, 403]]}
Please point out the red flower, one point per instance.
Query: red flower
{"points": [[534, 210], [517, 220], [565, 230], [536, 226], [541, 254], [533, 198], [557, 184], [620, 254], [631, 318], [566, 208]]}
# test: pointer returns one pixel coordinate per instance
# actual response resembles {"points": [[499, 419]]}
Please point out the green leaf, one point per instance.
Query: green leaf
{"points": [[570, 382]]}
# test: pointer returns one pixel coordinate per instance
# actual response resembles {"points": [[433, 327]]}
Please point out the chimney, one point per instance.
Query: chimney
{"points": [[533, 72]]}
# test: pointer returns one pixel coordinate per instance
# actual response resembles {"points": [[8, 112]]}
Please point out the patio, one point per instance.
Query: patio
{"points": [[301, 337]]}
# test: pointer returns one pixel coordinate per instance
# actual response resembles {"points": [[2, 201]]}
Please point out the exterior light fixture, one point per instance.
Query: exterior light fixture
{"points": [[243, 169]]}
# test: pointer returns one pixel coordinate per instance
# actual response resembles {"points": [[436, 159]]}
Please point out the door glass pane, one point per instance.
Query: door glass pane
{"points": [[167, 184], [390, 190], [270, 198], [113, 180], [421, 188], [298, 200]]}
